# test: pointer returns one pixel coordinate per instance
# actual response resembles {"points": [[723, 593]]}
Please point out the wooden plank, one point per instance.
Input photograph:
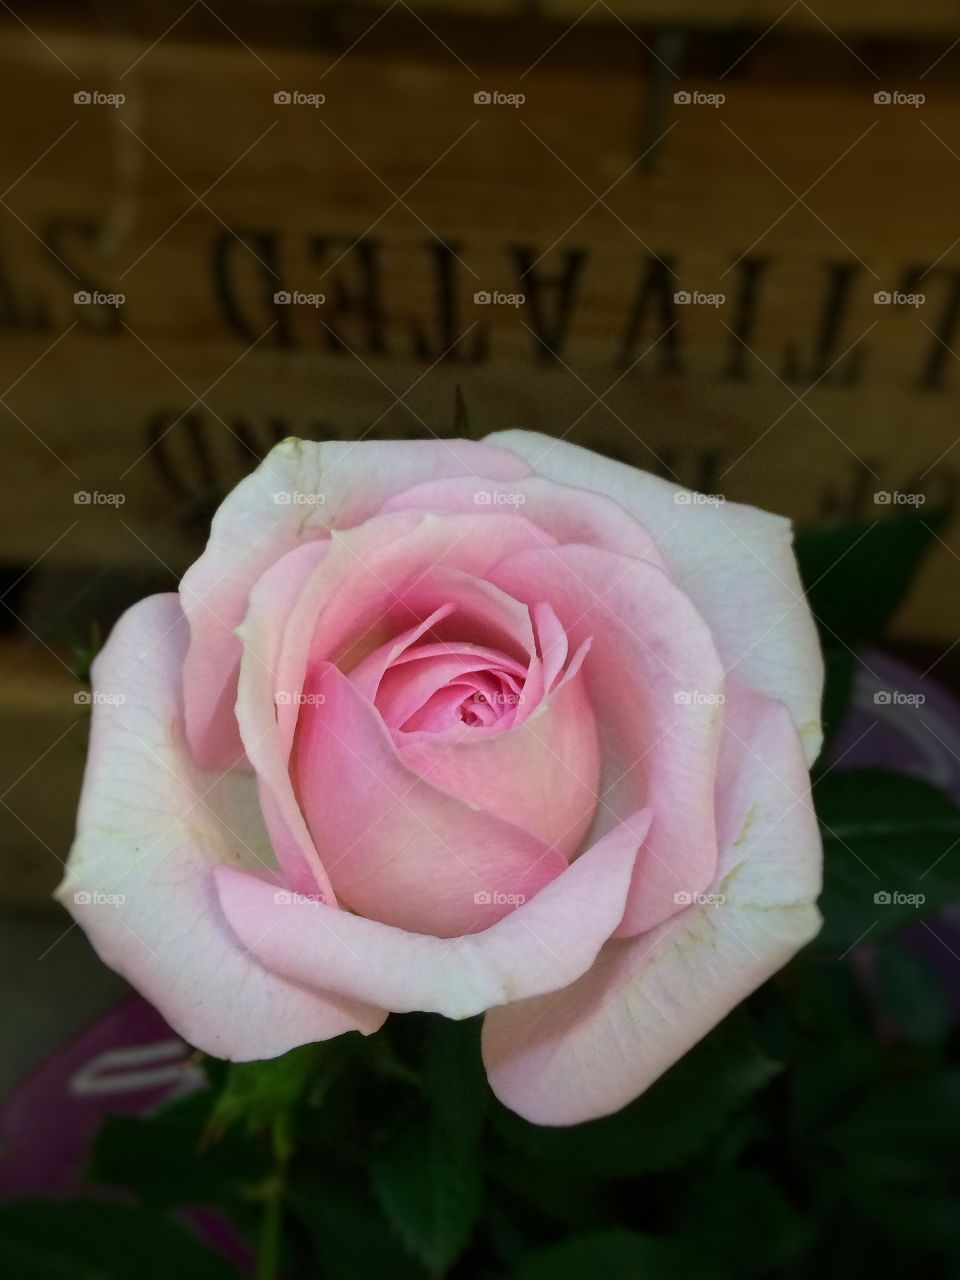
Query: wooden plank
{"points": [[881, 18], [116, 401]]}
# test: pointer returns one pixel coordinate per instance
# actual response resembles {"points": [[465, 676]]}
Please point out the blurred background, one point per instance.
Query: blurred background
{"points": [[714, 238]]}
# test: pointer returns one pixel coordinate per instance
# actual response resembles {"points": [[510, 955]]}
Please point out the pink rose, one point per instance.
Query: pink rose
{"points": [[460, 727]]}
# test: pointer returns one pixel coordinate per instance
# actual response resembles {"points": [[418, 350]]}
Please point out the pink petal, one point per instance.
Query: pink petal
{"points": [[735, 562], [396, 848], [552, 641], [541, 776], [151, 829], [252, 529], [352, 596], [262, 703], [590, 518], [388, 575], [368, 674], [419, 673], [648, 646], [544, 944], [588, 1050]]}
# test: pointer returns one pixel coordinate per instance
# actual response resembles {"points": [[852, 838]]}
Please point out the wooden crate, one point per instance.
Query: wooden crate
{"points": [[798, 198]]}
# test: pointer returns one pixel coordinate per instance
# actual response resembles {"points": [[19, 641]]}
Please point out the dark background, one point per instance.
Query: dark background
{"points": [[146, 364]]}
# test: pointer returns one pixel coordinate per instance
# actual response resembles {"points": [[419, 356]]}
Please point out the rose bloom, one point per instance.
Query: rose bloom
{"points": [[500, 727]]}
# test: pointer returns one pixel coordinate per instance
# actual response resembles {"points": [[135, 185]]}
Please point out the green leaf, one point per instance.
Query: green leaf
{"points": [[350, 1235], [678, 1116], [617, 1255], [914, 1117], [454, 1079], [737, 1205], [259, 1093], [427, 1175], [912, 995], [857, 575], [181, 1169], [430, 1187], [919, 1219], [87, 1240], [884, 834]]}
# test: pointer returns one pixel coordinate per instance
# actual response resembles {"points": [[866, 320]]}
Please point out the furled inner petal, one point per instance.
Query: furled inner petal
{"points": [[486, 682], [512, 738], [397, 847]]}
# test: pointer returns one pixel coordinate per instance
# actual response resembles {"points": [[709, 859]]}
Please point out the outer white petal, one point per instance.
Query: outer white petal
{"points": [[301, 492], [735, 562], [588, 1050], [151, 830]]}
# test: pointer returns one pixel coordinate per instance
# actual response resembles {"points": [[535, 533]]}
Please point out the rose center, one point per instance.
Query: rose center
{"points": [[437, 687]]}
